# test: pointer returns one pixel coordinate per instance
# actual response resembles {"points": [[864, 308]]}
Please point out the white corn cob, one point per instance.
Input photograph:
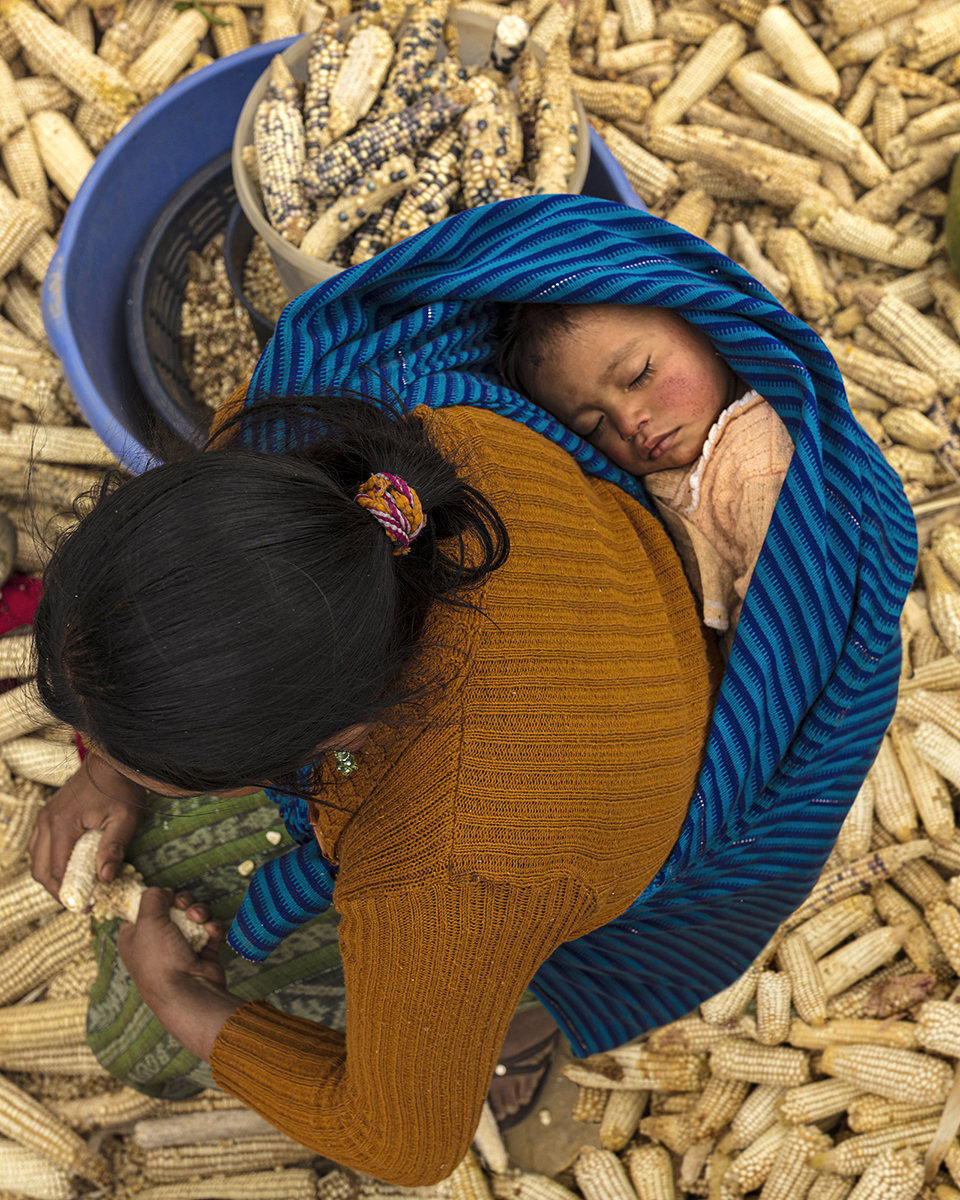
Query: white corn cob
{"points": [[169, 1164], [235, 35], [163, 60], [834, 925], [63, 152], [919, 340], [892, 800], [774, 990], [741, 1060], [30, 1173], [842, 230], [698, 77], [853, 840], [812, 122], [893, 1175], [796, 53], [351, 209], [897, 382], [652, 179], [930, 794], [26, 1121], [853, 962], [886, 1071], [651, 1172], [292, 1183], [361, 75], [853, 1031], [488, 1142], [22, 900], [601, 1175], [555, 130], [815, 1101], [621, 1115], [40, 760], [931, 38], [809, 995]]}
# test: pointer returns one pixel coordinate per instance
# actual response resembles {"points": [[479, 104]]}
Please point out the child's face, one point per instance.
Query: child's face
{"points": [[641, 384]]}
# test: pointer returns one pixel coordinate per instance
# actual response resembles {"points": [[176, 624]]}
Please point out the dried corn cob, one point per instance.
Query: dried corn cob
{"points": [[758, 1114], [867, 1114], [814, 1101], [853, 962], [809, 995], [591, 1103], [777, 1065], [621, 1115], [22, 900], [65, 157], [278, 21], [32, 1174], [281, 155], [613, 100], [349, 211], [233, 36], [646, 1071], [600, 1175], [774, 990], [437, 182], [792, 255], [700, 75], [26, 1121], [74, 1060], [652, 179], [842, 230], [292, 1183], [374, 234], [358, 82], [853, 1031], [796, 53], [752, 1167], [651, 1172], [854, 1155], [899, 383], [169, 1164], [323, 65], [812, 122], [853, 840], [353, 157], [886, 1071], [790, 1174], [556, 123], [892, 799], [416, 51], [41, 761]]}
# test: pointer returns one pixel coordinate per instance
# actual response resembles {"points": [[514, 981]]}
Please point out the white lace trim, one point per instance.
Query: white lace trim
{"points": [[712, 438]]}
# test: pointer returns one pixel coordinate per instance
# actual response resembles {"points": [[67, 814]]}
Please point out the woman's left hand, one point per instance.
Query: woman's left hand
{"points": [[185, 991]]}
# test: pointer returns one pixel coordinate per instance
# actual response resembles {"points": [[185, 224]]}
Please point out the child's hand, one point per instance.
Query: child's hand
{"points": [[186, 991], [96, 797]]}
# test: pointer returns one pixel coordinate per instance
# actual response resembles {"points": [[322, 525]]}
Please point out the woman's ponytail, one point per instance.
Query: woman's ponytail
{"points": [[213, 620]]}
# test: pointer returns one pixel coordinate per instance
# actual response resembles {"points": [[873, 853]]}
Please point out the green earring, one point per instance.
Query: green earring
{"points": [[346, 762]]}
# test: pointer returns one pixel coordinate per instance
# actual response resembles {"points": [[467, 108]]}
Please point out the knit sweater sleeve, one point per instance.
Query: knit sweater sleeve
{"points": [[399, 1095]]}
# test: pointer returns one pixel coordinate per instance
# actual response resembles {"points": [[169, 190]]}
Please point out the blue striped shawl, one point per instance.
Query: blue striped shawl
{"points": [[812, 677]]}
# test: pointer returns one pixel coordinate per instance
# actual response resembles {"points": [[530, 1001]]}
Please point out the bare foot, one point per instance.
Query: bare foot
{"points": [[509, 1093]]}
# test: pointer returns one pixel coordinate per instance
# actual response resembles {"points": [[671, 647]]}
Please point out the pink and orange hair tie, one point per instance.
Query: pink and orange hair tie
{"points": [[396, 506]]}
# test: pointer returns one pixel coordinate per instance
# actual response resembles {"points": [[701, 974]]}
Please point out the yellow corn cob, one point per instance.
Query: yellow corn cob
{"points": [[349, 211], [851, 963], [853, 1031], [40, 760], [812, 122], [26, 1121], [809, 996], [43, 1024], [919, 340], [292, 1183], [652, 179], [751, 1168], [32, 1174], [621, 1116], [524, 1186], [796, 53], [601, 1175], [899, 383], [590, 1104], [867, 1114], [643, 1072], [172, 1163], [651, 1172], [777, 1065], [854, 1155], [892, 801], [757, 1114], [698, 77], [887, 1071], [815, 1101], [790, 1175], [855, 234], [774, 990]]}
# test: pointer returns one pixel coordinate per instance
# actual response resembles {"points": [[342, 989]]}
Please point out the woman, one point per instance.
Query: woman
{"points": [[573, 860]]}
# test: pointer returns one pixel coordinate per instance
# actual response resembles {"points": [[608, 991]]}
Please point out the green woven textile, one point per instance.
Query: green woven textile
{"points": [[197, 845]]}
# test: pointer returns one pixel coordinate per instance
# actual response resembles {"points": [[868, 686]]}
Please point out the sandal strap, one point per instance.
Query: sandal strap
{"points": [[519, 1064]]}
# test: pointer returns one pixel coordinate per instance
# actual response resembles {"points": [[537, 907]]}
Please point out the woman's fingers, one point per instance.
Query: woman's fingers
{"points": [[119, 827]]}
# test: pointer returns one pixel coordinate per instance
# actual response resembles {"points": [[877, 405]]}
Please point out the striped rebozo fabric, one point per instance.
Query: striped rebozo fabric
{"points": [[812, 677]]}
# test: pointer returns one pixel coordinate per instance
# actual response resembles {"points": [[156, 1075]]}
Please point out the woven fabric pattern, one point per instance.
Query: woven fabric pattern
{"points": [[811, 681]]}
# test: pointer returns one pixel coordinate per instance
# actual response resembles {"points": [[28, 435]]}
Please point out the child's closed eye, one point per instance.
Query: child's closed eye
{"points": [[644, 376]]}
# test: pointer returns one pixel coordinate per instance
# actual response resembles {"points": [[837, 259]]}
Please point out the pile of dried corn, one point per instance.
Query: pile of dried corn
{"points": [[810, 141]]}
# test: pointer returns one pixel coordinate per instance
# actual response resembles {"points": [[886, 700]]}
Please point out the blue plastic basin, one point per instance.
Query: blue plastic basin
{"points": [[85, 289]]}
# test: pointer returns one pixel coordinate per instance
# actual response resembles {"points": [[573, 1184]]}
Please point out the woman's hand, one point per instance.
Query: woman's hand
{"points": [[96, 797], [185, 991]]}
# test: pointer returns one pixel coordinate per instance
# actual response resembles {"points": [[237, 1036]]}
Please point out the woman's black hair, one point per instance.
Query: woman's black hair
{"points": [[524, 333], [212, 621]]}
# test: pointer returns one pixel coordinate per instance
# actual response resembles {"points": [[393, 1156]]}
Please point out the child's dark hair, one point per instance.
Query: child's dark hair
{"points": [[212, 621], [524, 333]]}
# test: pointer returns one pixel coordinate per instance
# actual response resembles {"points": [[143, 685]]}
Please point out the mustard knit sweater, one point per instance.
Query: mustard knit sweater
{"points": [[540, 796]]}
